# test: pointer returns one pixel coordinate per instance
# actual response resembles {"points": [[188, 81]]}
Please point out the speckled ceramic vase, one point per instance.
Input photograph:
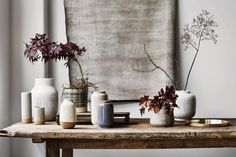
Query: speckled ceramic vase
{"points": [[162, 118], [187, 105], [44, 94]]}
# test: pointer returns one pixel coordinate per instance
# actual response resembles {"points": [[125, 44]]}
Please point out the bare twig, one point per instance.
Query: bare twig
{"points": [[158, 67]]}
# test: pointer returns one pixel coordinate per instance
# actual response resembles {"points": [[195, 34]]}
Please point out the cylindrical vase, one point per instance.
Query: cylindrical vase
{"points": [[26, 108], [97, 98]]}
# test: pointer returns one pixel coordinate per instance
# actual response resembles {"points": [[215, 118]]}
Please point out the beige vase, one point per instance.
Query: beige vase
{"points": [[68, 116]]}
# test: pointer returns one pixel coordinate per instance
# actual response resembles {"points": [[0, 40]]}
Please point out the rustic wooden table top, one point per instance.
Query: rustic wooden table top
{"points": [[137, 129]]}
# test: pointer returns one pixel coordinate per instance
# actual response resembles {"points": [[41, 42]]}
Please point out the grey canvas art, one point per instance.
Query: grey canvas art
{"points": [[114, 33]]}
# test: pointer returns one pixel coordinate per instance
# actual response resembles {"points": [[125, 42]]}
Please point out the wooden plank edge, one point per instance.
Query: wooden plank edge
{"points": [[146, 144], [5, 133]]}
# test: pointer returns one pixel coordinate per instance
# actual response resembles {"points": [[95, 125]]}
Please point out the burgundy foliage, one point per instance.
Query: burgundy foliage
{"points": [[165, 98], [40, 47]]}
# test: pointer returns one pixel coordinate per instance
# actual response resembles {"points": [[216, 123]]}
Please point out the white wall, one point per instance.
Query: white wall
{"points": [[212, 79], [27, 18], [4, 73]]}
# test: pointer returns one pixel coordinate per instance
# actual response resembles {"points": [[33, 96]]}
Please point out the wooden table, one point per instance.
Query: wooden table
{"points": [[138, 135]]}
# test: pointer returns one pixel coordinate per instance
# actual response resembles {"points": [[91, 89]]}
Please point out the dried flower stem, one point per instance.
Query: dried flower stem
{"points": [[197, 51]]}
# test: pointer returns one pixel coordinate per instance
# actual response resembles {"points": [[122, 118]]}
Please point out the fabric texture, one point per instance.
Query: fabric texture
{"points": [[114, 33]]}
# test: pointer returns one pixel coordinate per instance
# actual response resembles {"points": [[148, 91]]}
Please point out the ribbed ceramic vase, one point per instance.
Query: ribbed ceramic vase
{"points": [[97, 98], [162, 118], [187, 105], [68, 116], [44, 94], [78, 96]]}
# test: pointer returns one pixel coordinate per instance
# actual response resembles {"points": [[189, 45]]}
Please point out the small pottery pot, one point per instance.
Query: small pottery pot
{"points": [[162, 118], [97, 98], [105, 114], [187, 105], [44, 94], [39, 115], [26, 108], [68, 116], [78, 96]]}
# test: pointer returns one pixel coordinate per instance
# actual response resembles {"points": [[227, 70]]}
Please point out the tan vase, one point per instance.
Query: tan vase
{"points": [[68, 116]]}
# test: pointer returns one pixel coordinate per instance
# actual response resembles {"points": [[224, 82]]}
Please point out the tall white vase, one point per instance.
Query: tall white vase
{"points": [[187, 105], [44, 94]]}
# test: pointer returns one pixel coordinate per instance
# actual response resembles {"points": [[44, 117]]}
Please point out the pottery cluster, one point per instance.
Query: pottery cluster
{"points": [[41, 104]]}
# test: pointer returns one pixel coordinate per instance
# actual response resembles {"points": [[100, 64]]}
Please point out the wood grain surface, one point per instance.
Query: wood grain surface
{"points": [[138, 129]]}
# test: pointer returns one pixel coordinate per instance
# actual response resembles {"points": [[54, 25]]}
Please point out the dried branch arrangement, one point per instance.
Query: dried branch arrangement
{"points": [[201, 29], [40, 47]]}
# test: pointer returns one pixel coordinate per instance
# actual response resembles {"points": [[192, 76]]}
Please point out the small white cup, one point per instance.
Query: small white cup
{"points": [[26, 109], [39, 115]]}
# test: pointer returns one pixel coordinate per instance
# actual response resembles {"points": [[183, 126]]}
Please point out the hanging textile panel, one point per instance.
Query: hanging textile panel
{"points": [[116, 34]]}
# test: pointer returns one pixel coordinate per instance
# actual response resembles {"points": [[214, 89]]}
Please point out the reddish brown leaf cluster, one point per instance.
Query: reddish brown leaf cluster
{"points": [[40, 47], [165, 98]]}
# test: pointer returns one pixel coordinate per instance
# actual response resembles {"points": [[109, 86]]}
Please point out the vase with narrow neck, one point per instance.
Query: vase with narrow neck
{"points": [[162, 118], [187, 105], [44, 94]]}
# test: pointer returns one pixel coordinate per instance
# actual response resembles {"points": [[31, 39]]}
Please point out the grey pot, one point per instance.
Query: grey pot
{"points": [[78, 96]]}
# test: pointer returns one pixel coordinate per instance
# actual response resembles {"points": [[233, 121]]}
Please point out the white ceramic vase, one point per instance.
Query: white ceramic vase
{"points": [[161, 118], [187, 105], [44, 94], [68, 116], [97, 98]]}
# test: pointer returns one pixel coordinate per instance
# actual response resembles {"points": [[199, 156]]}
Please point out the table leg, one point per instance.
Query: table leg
{"points": [[52, 149], [67, 152]]}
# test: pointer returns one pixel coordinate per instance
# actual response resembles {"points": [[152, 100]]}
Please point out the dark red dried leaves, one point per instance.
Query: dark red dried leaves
{"points": [[40, 47], [165, 98]]}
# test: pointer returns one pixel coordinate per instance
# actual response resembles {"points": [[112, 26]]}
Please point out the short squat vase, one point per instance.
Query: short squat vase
{"points": [[68, 116], [162, 118], [44, 94], [187, 105]]}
